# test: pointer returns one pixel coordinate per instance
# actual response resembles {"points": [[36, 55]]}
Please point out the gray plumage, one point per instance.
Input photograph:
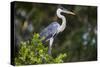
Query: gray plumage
{"points": [[50, 31]]}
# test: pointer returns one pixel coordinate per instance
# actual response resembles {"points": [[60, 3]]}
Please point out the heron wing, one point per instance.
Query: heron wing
{"points": [[50, 30]]}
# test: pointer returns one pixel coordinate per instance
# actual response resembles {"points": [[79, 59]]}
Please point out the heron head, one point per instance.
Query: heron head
{"points": [[63, 10]]}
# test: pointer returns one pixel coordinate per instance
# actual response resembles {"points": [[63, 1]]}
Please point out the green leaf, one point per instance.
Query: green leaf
{"points": [[34, 52]]}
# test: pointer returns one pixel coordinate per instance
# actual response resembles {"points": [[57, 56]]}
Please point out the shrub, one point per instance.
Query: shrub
{"points": [[34, 52]]}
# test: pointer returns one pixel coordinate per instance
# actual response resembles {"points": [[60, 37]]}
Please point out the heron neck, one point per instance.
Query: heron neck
{"points": [[63, 25]]}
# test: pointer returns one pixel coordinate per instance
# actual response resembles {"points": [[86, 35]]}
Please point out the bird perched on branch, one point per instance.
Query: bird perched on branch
{"points": [[54, 28]]}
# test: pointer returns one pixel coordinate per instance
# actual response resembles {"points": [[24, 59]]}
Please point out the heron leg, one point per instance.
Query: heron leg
{"points": [[50, 45]]}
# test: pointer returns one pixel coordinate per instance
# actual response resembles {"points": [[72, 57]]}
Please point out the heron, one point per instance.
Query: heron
{"points": [[55, 28]]}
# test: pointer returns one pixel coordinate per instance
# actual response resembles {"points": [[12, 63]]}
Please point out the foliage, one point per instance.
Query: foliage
{"points": [[78, 40], [34, 52]]}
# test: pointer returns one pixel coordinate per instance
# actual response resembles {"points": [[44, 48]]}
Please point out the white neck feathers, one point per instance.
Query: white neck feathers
{"points": [[63, 25]]}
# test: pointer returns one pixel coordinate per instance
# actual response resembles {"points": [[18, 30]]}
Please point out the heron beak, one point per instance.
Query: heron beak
{"points": [[69, 12]]}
